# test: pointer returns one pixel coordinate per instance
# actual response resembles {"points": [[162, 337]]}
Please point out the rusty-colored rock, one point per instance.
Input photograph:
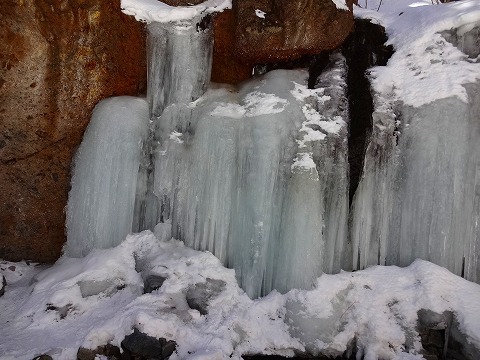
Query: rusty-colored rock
{"points": [[57, 60], [226, 67], [288, 29]]}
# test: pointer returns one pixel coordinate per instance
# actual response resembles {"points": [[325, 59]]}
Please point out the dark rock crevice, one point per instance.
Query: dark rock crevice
{"points": [[363, 49]]}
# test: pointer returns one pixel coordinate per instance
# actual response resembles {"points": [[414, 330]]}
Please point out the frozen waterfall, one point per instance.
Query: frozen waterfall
{"points": [[419, 196], [258, 174]]}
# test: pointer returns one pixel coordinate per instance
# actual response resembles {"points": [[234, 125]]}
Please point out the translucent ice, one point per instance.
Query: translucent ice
{"points": [[421, 198], [258, 176], [101, 203]]}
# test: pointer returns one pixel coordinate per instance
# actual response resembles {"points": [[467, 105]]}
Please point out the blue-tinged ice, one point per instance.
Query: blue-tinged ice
{"points": [[101, 202], [419, 196], [258, 176]]}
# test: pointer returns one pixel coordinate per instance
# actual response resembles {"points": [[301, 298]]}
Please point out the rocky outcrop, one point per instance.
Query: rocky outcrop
{"points": [[58, 59], [281, 30], [108, 351], [227, 67]]}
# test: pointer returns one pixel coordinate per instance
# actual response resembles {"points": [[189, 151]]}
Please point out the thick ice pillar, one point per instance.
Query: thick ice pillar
{"points": [[258, 176], [179, 67], [179, 62], [101, 203]]}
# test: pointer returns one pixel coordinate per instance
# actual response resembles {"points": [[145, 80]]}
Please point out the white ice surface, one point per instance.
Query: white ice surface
{"points": [[156, 11], [425, 67], [378, 305]]}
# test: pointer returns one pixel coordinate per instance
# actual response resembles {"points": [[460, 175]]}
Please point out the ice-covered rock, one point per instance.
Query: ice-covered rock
{"points": [[152, 283], [200, 294]]}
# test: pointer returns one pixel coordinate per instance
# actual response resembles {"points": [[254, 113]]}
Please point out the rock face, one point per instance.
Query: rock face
{"points": [[227, 67], [280, 30], [58, 59]]}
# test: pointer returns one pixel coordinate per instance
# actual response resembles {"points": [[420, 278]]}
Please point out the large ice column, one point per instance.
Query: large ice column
{"points": [[101, 203], [179, 62], [317, 189], [179, 67], [420, 198], [258, 176]]}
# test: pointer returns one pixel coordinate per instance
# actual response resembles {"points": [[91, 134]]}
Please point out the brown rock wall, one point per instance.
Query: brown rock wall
{"points": [[57, 60], [227, 67], [288, 29]]}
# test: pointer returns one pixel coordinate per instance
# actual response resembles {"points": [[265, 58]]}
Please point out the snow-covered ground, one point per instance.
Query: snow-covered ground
{"points": [[99, 299]]}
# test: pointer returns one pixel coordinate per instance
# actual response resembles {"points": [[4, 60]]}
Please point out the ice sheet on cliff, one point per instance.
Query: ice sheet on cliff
{"points": [[419, 196]]}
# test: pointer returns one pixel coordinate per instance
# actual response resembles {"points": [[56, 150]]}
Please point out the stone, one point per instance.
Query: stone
{"points": [[109, 350], [141, 346], [200, 294], [282, 30], [58, 59], [3, 283], [152, 283], [43, 357], [226, 67], [441, 337]]}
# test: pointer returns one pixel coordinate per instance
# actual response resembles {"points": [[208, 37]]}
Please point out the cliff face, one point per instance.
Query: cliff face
{"points": [[58, 59]]}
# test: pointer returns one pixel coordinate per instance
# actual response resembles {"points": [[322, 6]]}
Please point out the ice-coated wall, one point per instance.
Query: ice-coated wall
{"points": [[421, 198]]}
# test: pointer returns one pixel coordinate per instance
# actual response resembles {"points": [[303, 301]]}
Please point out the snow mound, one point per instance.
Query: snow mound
{"points": [[156, 11], [99, 299], [425, 66]]}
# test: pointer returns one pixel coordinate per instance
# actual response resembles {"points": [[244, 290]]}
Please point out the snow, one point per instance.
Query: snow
{"points": [[341, 5], [425, 66], [378, 306], [156, 11], [261, 14]]}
